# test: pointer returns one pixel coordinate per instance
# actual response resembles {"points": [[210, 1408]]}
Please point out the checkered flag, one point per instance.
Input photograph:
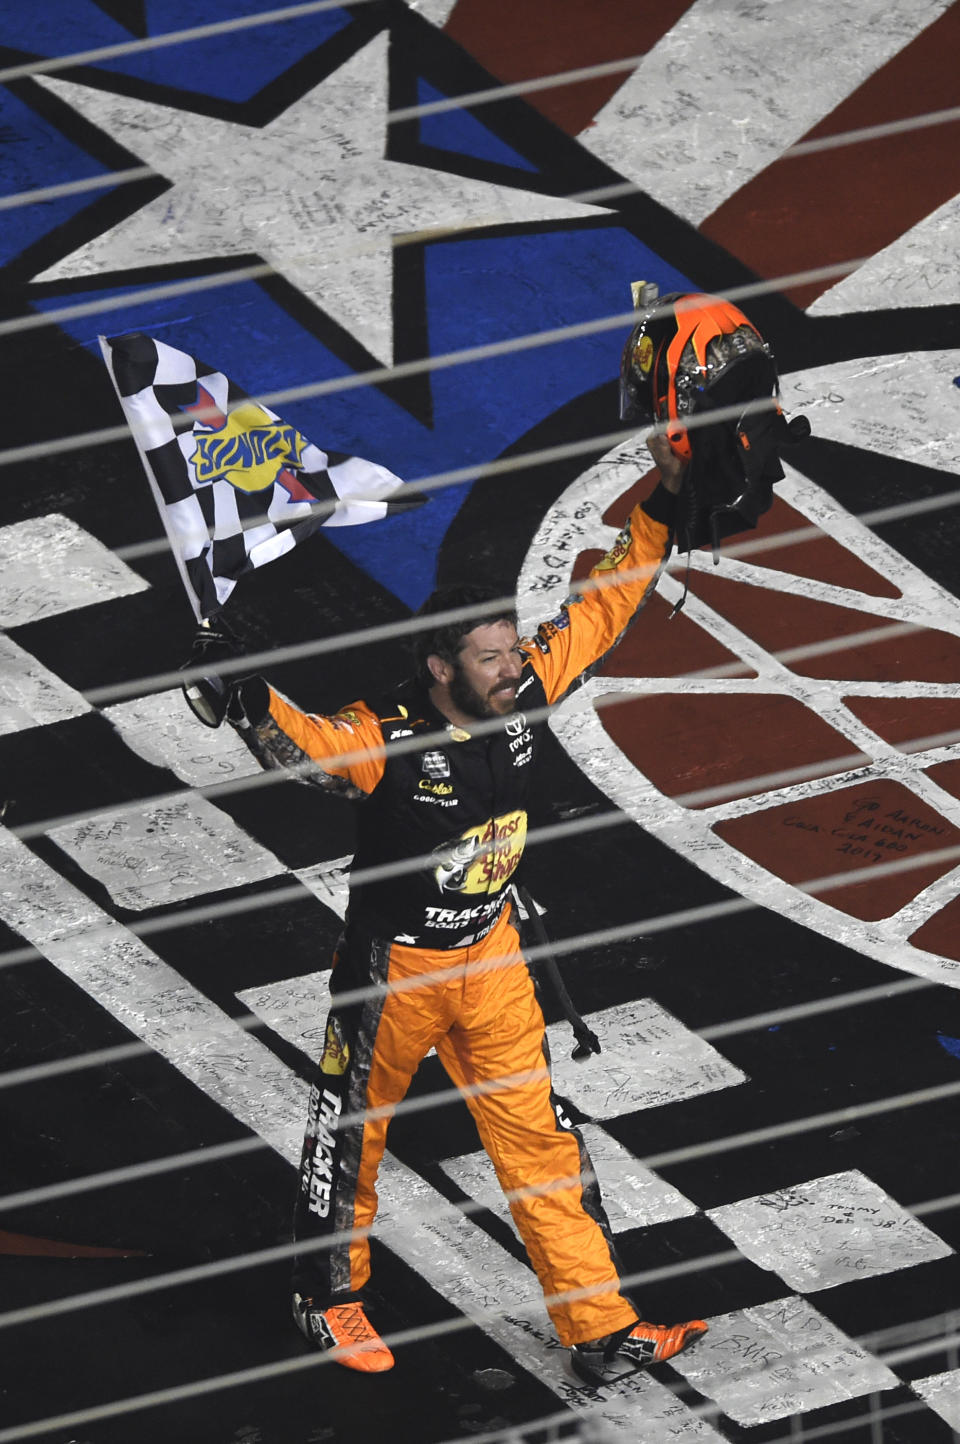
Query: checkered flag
{"points": [[235, 485]]}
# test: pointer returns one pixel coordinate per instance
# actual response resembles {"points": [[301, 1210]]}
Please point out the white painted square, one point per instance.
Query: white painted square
{"points": [[779, 1359], [438, 12], [30, 696], [632, 1195], [162, 730], [501, 1296], [942, 1393], [295, 1008], [826, 1232], [49, 565], [146, 857], [36, 901], [329, 881], [649, 1058]]}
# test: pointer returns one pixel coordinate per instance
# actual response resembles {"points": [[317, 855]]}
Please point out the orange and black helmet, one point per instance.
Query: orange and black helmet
{"points": [[677, 353], [694, 365]]}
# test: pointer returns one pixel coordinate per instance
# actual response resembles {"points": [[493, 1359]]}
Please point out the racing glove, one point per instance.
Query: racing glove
{"points": [[210, 695]]}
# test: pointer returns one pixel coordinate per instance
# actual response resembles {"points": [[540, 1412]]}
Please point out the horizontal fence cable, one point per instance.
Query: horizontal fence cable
{"points": [[487, 95], [788, 1013], [378, 375], [904, 1100], [51, 64], [254, 781], [395, 1339], [548, 833], [409, 627]]}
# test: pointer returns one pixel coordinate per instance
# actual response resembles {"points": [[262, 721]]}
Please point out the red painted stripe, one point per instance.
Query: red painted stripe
{"points": [[842, 832], [817, 556], [27, 1246], [664, 645], [907, 719], [539, 37], [947, 776], [942, 933], [779, 621], [660, 644], [840, 204], [720, 741]]}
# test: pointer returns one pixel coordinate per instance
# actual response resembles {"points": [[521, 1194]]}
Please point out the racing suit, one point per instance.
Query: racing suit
{"points": [[435, 958]]}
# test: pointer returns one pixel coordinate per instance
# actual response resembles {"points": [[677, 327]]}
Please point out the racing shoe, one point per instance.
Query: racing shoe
{"points": [[346, 1331], [603, 1361]]}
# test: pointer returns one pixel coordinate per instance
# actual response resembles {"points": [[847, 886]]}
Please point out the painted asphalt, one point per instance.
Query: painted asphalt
{"points": [[774, 1115]]}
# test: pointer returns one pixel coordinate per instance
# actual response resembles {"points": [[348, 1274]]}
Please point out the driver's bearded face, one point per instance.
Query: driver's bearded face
{"points": [[479, 704], [487, 671]]}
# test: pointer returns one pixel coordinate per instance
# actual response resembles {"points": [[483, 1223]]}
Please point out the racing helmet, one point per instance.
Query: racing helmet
{"points": [[684, 352], [692, 357]]}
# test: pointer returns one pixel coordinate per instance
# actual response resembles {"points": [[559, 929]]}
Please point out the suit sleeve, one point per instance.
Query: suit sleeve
{"points": [[341, 753], [566, 650]]}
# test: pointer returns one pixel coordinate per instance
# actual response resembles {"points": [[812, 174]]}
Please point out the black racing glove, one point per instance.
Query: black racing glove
{"points": [[208, 692]]}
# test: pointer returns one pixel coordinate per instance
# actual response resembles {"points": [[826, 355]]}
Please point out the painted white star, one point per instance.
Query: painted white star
{"points": [[311, 193]]}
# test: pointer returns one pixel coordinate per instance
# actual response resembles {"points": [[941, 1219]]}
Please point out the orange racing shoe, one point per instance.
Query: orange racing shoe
{"points": [[603, 1361], [346, 1331]]}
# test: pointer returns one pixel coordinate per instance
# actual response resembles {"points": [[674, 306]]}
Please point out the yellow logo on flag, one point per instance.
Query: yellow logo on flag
{"points": [[249, 450]]}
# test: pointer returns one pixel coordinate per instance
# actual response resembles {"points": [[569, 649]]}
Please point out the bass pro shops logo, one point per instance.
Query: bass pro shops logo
{"points": [[484, 858], [336, 1051]]}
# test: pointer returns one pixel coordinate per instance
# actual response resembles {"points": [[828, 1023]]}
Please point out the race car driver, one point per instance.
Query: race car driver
{"points": [[430, 957]]}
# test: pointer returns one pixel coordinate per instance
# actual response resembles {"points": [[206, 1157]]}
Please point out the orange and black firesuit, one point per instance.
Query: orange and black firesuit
{"points": [[460, 801]]}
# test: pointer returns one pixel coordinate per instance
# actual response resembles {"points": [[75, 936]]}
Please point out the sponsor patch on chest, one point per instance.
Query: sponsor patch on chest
{"points": [[435, 764], [484, 857]]}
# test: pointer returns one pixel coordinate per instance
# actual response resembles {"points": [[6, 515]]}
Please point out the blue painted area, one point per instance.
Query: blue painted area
{"points": [[482, 290], [462, 133], [491, 290], [230, 67], [950, 1045], [33, 153]]}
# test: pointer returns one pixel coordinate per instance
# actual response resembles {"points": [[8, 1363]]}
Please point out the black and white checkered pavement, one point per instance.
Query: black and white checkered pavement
{"points": [[823, 1272]]}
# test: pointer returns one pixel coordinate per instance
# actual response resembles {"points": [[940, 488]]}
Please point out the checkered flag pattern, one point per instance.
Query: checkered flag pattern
{"points": [[236, 486]]}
